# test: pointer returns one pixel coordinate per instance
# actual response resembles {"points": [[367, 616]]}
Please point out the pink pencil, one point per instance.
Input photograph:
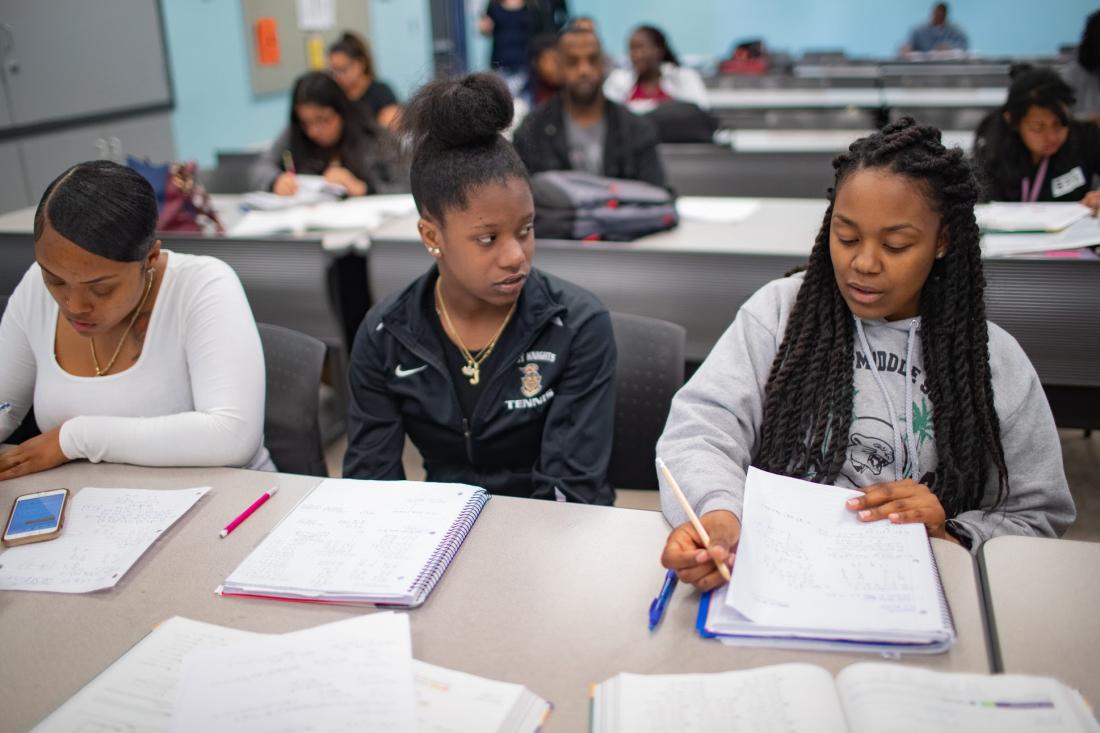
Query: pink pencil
{"points": [[248, 512]]}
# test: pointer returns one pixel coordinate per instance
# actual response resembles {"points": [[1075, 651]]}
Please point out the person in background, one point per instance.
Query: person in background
{"points": [[545, 78], [501, 375], [873, 369], [127, 352], [352, 66], [580, 129], [329, 137], [655, 75], [1033, 150], [511, 24], [1083, 74], [936, 35]]}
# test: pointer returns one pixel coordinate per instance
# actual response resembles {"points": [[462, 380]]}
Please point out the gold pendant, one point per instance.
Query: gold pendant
{"points": [[473, 372]]}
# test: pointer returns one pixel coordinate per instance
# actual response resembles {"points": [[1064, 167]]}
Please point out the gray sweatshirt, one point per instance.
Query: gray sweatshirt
{"points": [[714, 425]]}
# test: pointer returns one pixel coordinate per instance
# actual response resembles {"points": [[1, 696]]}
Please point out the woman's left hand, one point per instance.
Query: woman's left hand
{"points": [[1092, 200], [340, 175], [903, 502], [40, 453]]}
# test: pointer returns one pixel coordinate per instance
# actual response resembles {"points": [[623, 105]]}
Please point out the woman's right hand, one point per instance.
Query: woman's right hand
{"points": [[695, 564], [286, 184]]}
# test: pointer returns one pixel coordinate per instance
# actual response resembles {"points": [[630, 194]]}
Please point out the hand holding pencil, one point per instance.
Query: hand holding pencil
{"points": [[700, 550]]}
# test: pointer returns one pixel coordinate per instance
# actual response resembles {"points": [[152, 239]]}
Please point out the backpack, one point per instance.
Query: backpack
{"points": [[579, 205]]}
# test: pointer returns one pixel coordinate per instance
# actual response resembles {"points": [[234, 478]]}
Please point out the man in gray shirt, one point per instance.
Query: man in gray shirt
{"points": [[579, 129]]}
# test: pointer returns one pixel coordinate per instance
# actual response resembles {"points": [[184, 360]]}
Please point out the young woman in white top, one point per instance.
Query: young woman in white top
{"points": [[128, 353], [655, 75]]}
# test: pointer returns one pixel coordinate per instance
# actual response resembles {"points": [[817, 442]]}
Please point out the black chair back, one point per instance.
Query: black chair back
{"points": [[292, 431]]}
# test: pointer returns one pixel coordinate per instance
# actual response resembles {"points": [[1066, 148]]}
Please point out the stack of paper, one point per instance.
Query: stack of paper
{"points": [[1038, 217], [364, 213], [810, 574], [865, 698], [356, 674], [105, 533], [385, 542]]}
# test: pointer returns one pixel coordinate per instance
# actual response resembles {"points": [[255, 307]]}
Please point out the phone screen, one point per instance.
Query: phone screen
{"points": [[35, 514]]}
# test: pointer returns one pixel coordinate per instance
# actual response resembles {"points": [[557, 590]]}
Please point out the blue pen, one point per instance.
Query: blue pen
{"points": [[660, 603], [4, 407]]}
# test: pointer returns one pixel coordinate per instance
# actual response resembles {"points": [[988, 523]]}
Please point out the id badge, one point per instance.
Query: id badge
{"points": [[1067, 182]]}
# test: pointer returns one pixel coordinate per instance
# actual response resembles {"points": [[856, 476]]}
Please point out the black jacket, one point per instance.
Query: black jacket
{"points": [[629, 149], [1004, 162], [543, 433]]}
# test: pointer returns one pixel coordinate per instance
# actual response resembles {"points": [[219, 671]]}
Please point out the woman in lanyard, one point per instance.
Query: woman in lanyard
{"points": [[1033, 150]]}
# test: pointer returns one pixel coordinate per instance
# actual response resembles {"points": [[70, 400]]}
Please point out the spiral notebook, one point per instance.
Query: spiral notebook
{"points": [[348, 541], [810, 575]]}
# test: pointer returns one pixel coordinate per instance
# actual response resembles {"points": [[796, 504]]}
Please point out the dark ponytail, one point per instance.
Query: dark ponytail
{"points": [[455, 128], [354, 47], [102, 207]]}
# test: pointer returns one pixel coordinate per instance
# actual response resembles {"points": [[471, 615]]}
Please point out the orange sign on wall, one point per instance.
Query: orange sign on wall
{"points": [[267, 42]]}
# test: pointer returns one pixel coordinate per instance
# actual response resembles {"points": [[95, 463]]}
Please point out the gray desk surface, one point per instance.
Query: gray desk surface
{"points": [[832, 97], [1044, 601], [548, 595]]}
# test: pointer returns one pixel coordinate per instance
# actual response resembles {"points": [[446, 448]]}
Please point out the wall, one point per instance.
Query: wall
{"points": [[863, 27], [208, 61]]}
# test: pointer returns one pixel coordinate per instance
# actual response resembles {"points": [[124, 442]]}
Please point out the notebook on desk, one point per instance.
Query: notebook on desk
{"points": [[810, 575], [348, 541], [1045, 217]]}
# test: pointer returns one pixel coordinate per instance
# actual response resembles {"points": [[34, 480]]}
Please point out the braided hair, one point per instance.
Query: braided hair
{"points": [[808, 397]]}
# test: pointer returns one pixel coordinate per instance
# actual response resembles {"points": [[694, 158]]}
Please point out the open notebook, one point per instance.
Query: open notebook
{"points": [[810, 575], [347, 541], [865, 698], [1028, 217]]}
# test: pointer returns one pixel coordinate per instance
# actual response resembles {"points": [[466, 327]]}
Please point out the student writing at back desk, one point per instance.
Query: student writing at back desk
{"points": [[328, 137], [874, 369], [128, 352], [1033, 150], [502, 376]]}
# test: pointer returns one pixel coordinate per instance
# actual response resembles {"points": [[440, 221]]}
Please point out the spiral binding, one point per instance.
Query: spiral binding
{"points": [[448, 546], [945, 608]]}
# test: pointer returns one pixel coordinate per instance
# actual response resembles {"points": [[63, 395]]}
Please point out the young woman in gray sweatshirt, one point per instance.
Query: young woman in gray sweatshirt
{"points": [[876, 369]]}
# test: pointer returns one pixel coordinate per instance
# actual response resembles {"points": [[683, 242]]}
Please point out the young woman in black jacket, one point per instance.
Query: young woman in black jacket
{"points": [[502, 376]]}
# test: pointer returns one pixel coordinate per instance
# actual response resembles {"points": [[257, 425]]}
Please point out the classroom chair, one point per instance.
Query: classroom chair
{"points": [[292, 431], [649, 371]]}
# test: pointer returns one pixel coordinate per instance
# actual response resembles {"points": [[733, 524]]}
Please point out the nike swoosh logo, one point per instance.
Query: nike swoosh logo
{"points": [[402, 373]]}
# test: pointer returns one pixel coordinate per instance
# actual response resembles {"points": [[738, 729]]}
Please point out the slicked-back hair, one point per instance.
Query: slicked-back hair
{"points": [[808, 397], [455, 126], [102, 207]]}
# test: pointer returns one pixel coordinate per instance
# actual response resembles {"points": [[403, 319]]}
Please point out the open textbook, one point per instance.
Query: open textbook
{"points": [[865, 698], [185, 673], [348, 541], [810, 574], [107, 530]]}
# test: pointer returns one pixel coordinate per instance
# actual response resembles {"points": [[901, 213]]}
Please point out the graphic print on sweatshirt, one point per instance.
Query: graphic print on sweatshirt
{"points": [[871, 456]]}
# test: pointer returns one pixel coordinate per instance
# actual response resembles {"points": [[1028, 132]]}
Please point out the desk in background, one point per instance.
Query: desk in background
{"points": [[563, 607], [699, 274], [1043, 601]]}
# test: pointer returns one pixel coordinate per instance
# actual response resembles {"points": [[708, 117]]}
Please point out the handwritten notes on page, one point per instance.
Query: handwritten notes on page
{"points": [[805, 561], [137, 692], [106, 531], [354, 674]]}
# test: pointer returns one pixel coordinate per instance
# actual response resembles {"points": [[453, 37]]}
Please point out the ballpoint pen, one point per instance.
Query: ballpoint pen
{"points": [[660, 603]]}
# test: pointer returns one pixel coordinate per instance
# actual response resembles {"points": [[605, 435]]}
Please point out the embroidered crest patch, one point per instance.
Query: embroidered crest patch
{"points": [[531, 381]]}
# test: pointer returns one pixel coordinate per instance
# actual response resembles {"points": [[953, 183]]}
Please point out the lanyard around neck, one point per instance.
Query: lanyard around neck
{"points": [[1029, 194]]}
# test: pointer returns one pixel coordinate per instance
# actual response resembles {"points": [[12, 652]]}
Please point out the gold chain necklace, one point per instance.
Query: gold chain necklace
{"points": [[473, 365], [118, 349]]}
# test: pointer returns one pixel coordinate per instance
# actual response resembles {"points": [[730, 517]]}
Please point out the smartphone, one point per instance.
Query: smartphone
{"points": [[36, 517]]}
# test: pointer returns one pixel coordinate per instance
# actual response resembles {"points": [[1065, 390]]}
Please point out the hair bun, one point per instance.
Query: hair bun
{"points": [[457, 113]]}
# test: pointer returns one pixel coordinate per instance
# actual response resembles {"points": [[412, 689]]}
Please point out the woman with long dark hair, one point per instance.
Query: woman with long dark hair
{"points": [[873, 369]]}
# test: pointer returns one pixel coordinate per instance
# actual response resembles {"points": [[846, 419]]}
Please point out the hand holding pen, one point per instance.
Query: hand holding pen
{"points": [[700, 550]]}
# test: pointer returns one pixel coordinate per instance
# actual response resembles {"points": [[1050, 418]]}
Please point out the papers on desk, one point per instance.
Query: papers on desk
{"points": [[105, 532], [865, 698], [358, 212], [348, 541], [311, 190], [1024, 218], [716, 210], [188, 675], [810, 574]]}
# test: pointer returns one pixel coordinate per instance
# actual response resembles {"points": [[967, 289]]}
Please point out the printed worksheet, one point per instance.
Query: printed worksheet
{"points": [[105, 532]]}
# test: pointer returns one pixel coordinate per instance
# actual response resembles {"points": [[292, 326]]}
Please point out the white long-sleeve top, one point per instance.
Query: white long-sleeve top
{"points": [[679, 82], [195, 396]]}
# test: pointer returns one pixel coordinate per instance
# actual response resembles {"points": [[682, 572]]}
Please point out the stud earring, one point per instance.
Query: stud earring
{"points": [[940, 255], [433, 251]]}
